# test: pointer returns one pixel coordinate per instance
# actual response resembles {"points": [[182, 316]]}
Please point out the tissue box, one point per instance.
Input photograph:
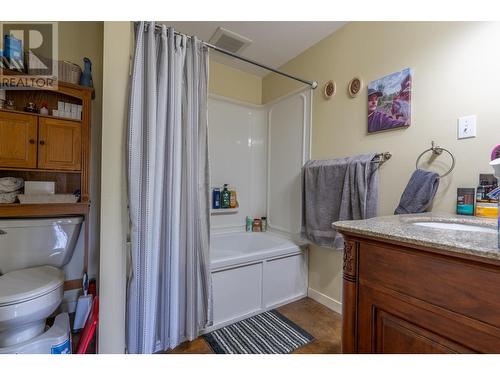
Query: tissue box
{"points": [[39, 187]]}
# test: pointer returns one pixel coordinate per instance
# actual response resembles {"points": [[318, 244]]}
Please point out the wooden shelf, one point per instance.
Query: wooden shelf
{"points": [[8, 72], [39, 170], [39, 115], [17, 210]]}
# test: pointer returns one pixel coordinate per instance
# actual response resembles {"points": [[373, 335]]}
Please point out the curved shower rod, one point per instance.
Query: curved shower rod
{"points": [[313, 84]]}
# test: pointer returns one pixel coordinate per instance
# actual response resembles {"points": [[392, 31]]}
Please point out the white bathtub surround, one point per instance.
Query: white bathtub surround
{"points": [[289, 139], [169, 290], [260, 149], [254, 272], [238, 156]]}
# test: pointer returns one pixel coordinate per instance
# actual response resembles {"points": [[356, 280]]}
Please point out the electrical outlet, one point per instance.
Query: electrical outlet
{"points": [[467, 127]]}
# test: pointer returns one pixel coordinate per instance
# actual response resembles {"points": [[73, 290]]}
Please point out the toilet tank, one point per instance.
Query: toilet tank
{"points": [[28, 243]]}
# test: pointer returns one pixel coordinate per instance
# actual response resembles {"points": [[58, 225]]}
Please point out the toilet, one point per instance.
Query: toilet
{"points": [[32, 254]]}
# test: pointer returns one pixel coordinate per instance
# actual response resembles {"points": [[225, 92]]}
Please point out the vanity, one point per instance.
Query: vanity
{"points": [[424, 283]]}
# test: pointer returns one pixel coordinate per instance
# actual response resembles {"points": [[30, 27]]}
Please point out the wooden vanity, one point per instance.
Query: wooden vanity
{"points": [[403, 296]]}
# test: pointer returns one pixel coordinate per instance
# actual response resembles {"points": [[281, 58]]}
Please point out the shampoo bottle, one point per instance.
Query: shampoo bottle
{"points": [[225, 197]]}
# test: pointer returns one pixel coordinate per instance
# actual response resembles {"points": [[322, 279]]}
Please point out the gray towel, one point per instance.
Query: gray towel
{"points": [[419, 192], [339, 189]]}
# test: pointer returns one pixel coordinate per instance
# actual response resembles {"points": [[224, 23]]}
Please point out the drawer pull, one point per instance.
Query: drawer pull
{"points": [[42, 142], [2, 232], [32, 141]]}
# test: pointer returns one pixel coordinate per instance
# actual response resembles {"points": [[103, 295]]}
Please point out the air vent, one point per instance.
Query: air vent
{"points": [[229, 40]]}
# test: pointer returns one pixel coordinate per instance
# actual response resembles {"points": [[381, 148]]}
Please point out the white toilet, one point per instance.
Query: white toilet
{"points": [[32, 254]]}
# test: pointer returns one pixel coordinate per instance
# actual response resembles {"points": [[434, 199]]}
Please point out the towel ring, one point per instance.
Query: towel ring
{"points": [[436, 150]]}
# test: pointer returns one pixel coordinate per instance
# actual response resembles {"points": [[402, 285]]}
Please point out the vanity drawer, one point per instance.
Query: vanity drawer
{"points": [[460, 286]]}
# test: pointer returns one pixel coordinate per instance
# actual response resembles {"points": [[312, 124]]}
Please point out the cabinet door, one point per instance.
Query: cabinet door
{"points": [[391, 325], [18, 136], [59, 144]]}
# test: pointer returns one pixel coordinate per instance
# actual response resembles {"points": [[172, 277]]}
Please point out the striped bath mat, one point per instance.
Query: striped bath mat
{"points": [[266, 333]]}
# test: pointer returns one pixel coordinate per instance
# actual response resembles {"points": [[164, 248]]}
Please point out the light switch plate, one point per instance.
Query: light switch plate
{"points": [[467, 127]]}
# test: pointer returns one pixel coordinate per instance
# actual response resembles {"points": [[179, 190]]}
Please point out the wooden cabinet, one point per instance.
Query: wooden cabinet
{"points": [[404, 299], [18, 140], [37, 147], [59, 144], [29, 141]]}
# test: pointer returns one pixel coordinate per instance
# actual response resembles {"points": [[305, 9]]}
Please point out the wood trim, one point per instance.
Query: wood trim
{"points": [[39, 115], [86, 243], [38, 170], [350, 293], [73, 284], [17, 210]]}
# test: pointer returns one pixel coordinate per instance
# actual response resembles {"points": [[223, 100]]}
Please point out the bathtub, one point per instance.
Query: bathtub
{"points": [[254, 272]]}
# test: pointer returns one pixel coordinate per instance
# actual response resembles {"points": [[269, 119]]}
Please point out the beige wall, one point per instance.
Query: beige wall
{"points": [[455, 73], [234, 83], [114, 216], [76, 41]]}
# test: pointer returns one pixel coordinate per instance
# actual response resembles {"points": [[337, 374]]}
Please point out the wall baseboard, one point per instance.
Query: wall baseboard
{"points": [[329, 302]]}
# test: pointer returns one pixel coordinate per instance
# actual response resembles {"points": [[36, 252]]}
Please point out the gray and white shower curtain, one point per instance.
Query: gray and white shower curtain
{"points": [[169, 295]]}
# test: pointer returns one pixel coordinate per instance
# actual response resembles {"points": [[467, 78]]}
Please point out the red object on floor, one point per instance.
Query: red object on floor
{"points": [[89, 329], [92, 287]]}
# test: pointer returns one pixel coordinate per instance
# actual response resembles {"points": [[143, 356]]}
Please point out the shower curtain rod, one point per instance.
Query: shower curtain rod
{"points": [[313, 84]]}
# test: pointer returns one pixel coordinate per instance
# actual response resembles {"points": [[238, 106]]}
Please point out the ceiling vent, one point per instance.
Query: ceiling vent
{"points": [[229, 40]]}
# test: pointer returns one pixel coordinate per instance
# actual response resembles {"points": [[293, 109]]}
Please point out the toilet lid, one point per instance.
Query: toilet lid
{"points": [[29, 283]]}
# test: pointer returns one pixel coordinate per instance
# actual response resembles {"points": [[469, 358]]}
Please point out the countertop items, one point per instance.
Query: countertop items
{"points": [[452, 233]]}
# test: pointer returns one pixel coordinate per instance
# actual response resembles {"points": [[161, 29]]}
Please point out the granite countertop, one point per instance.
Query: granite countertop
{"points": [[401, 228]]}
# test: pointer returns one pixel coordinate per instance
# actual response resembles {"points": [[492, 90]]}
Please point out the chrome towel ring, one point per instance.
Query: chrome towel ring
{"points": [[437, 150]]}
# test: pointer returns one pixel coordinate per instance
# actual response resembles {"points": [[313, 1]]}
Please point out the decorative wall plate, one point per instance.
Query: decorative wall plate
{"points": [[355, 86], [330, 89]]}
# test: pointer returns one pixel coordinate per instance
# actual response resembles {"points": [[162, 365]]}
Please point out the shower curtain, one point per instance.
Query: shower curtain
{"points": [[169, 296]]}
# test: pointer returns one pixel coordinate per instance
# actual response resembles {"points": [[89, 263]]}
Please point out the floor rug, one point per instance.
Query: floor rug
{"points": [[266, 333]]}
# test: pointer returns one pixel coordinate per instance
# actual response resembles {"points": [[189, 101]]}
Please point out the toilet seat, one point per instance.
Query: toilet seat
{"points": [[27, 298], [30, 283]]}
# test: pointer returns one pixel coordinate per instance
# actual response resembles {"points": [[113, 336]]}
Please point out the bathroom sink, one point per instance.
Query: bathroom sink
{"points": [[455, 226]]}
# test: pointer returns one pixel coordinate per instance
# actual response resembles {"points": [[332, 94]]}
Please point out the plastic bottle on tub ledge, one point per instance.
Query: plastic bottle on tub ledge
{"points": [[263, 224], [233, 202], [216, 198], [249, 224], [225, 198]]}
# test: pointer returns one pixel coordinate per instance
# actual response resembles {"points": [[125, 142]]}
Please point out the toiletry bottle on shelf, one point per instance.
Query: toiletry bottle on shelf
{"points": [[232, 199], [263, 223], [216, 198], [225, 197], [249, 224], [256, 225]]}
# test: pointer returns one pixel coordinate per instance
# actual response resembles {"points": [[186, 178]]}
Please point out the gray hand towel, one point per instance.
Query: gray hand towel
{"points": [[339, 189], [419, 193]]}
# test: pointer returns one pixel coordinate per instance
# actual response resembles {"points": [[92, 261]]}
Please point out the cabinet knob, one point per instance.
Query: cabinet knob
{"points": [[42, 142], [32, 141]]}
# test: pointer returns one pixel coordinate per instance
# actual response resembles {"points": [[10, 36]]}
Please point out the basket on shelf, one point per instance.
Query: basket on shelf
{"points": [[69, 72]]}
